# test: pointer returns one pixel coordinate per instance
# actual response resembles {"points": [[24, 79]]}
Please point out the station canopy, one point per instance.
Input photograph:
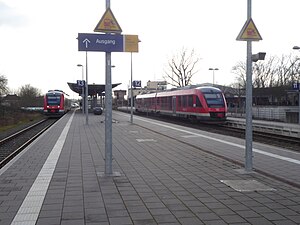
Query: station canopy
{"points": [[93, 88]]}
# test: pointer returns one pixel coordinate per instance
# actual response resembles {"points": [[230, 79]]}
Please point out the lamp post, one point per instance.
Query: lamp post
{"points": [[213, 69], [131, 92], [82, 90], [298, 48]]}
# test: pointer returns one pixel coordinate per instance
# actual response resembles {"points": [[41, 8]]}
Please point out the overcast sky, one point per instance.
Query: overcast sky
{"points": [[38, 43]]}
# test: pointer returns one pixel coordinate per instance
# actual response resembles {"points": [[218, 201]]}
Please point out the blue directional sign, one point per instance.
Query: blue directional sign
{"points": [[296, 86], [80, 83], [100, 42], [136, 83]]}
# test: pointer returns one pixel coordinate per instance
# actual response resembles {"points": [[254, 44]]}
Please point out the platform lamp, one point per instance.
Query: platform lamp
{"points": [[298, 48], [82, 90], [131, 91], [213, 69]]}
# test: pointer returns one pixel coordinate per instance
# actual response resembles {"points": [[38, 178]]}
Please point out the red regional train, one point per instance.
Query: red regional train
{"points": [[200, 103], [56, 103]]}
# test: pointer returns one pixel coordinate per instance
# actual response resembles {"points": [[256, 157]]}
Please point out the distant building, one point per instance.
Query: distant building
{"points": [[119, 94], [11, 100], [119, 98], [156, 85]]}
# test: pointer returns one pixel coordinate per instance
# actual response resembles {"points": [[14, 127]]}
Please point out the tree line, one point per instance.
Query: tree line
{"points": [[28, 95], [273, 72]]}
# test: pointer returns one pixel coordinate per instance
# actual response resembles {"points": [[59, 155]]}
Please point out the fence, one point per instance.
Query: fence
{"points": [[287, 114]]}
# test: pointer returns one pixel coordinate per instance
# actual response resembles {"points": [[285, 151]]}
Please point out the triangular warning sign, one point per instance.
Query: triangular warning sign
{"points": [[249, 32], [108, 23]]}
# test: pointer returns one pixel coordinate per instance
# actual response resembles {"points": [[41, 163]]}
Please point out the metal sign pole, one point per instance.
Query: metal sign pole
{"points": [[86, 91], [82, 92], [108, 111], [131, 91], [108, 116], [299, 103], [248, 153]]}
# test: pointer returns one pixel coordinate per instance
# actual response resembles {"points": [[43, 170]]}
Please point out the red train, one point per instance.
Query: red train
{"points": [[201, 103], [56, 103]]}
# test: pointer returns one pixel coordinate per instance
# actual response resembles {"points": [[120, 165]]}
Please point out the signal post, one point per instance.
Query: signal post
{"points": [[249, 33]]}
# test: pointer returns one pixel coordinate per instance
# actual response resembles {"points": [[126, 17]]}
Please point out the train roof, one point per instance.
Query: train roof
{"points": [[180, 91], [55, 92]]}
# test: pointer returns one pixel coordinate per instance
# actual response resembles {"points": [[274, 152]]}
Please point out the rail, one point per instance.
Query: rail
{"points": [[15, 143]]}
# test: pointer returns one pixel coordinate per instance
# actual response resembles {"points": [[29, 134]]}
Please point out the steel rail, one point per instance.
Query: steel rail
{"points": [[24, 145]]}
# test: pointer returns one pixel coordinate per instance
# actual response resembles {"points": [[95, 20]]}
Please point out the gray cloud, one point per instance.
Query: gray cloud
{"points": [[10, 17]]}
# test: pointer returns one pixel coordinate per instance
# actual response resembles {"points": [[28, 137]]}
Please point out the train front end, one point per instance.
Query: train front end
{"points": [[216, 103], [54, 104]]}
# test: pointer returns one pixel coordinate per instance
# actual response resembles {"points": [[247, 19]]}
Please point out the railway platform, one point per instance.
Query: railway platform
{"points": [[59, 179], [273, 127]]}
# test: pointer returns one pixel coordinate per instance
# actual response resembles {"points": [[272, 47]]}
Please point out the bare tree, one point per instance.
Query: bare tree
{"points": [[272, 72], [3, 85], [28, 95], [264, 72], [286, 70], [240, 71], [181, 68]]}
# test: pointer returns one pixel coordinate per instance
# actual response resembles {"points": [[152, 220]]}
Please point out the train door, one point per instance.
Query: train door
{"points": [[174, 105]]}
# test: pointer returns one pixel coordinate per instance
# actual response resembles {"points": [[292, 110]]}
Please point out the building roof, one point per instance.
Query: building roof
{"points": [[93, 88], [13, 97]]}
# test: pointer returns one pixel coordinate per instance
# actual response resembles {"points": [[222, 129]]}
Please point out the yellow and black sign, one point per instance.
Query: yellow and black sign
{"points": [[131, 43], [108, 23], [249, 32]]}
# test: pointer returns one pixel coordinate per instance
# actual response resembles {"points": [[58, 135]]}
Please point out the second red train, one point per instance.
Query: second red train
{"points": [[200, 103]]}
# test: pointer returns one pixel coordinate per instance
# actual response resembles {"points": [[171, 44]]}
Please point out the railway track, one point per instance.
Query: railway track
{"points": [[292, 143], [12, 145]]}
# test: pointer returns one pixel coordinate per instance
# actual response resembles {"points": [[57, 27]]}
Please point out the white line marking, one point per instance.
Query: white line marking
{"points": [[224, 142], [29, 211]]}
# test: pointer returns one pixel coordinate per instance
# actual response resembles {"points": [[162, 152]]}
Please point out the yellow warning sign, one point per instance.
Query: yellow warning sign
{"points": [[131, 43], [249, 32], [108, 23]]}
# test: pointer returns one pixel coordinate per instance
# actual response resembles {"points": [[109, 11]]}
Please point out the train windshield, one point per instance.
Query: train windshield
{"points": [[53, 99], [214, 100]]}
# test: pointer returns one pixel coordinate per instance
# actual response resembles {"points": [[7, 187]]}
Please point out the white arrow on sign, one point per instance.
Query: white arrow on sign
{"points": [[86, 41], [295, 85]]}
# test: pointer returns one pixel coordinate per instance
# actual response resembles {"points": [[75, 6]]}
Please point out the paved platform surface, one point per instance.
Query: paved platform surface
{"points": [[60, 180]]}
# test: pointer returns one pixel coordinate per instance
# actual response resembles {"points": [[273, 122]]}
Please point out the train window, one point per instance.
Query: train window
{"points": [[53, 99], [184, 101], [166, 102], [169, 103], [214, 99], [179, 101], [190, 101], [198, 103]]}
